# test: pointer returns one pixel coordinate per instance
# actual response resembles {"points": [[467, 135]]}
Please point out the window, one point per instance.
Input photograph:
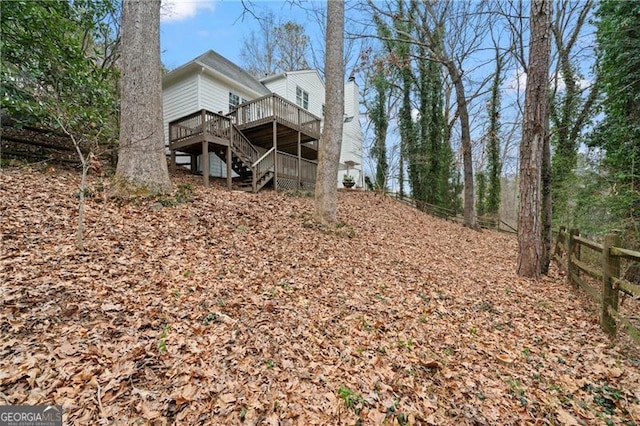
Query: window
{"points": [[302, 97], [323, 110], [234, 101]]}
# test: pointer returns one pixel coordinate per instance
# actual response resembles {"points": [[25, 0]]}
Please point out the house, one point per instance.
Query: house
{"points": [[221, 121]]}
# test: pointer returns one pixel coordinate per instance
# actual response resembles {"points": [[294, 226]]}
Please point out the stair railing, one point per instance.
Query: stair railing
{"points": [[261, 167], [243, 149]]}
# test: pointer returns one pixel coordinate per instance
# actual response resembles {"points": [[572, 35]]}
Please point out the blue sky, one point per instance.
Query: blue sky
{"points": [[189, 28]]}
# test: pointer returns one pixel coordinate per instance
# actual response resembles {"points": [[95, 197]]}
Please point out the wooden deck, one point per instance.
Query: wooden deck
{"points": [[256, 120], [265, 140]]}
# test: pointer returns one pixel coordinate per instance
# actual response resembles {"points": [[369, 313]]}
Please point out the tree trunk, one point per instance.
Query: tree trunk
{"points": [[326, 194], [547, 203], [530, 245], [470, 219], [141, 158]]}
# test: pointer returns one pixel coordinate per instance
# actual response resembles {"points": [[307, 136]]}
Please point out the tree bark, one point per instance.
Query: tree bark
{"points": [[530, 242], [547, 203], [141, 158], [326, 193], [470, 219]]}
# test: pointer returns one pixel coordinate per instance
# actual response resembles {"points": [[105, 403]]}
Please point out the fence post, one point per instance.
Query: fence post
{"points": [[611, 270], [559, 241], [571, 249]]}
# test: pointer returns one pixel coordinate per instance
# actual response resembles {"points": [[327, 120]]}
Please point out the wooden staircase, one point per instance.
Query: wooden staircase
{"points": [[255, 170]]}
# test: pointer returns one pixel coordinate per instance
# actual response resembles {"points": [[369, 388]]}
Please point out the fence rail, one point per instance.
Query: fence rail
{"points": [[568, 254], [486, 222]]}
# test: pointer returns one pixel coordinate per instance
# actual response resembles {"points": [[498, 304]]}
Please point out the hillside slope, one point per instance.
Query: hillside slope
{"points": [[235, 308]]}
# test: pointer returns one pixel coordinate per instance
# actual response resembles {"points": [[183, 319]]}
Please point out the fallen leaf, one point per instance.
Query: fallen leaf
{"points": [[565, 418]]}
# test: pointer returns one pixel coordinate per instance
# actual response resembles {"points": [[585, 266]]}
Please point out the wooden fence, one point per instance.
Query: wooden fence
{"points": [[486, 222], [569, 253]]}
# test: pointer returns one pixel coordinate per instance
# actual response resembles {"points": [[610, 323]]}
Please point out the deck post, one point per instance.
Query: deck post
{"points": [[275, 153], [194, 164], [172, 163], [229, 171], [299, 161], [205, 162]]}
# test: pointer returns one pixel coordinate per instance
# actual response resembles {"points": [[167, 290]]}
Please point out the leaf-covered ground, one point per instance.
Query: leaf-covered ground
{"points": [[236, 309]]}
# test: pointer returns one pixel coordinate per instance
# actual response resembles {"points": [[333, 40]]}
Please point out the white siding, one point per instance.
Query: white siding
{"points": [[310, 82], [351, 101], [212, 95], [307, 80], [278, 86], [178, 100], [352, 135]]}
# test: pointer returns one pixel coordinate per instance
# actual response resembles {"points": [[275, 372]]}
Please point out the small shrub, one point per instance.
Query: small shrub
{"points": [[162, 340], [352, 400], [211, 317]]}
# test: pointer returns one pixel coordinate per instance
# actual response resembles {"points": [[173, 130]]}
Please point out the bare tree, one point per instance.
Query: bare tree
{"points": [[141, 158], [326, 194], [353, 45], [276, 47], [536, 116], [258, 51]]}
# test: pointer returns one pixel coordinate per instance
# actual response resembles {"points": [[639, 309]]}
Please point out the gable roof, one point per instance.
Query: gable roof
{"points": [[221, 64], [217, 63]]}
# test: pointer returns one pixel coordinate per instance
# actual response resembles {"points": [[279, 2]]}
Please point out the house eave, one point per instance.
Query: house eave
{"points": [[197, 67], [205, 69]]}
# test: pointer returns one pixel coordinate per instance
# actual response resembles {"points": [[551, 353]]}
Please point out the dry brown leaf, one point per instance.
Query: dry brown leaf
{"points": [[505, 358], [565, 418], [231, 304], [227, 398]]}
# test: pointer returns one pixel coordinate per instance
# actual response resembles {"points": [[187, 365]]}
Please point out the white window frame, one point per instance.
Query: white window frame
{"points": [[302, 97], [234, 101]]}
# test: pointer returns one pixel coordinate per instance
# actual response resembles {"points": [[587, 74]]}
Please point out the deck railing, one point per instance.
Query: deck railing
{"points": [[288, 167], [185, 127], [265, 108], [217, 125], [296, 170], [191, 125], [308, 171]]}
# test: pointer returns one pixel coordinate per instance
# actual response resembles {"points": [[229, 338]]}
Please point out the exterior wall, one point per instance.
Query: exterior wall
{"points": [[211, 96], [179, 99], [351, 135], [214, 96], [307, 80], [278, 86], [198, 91], [214, 93]]}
